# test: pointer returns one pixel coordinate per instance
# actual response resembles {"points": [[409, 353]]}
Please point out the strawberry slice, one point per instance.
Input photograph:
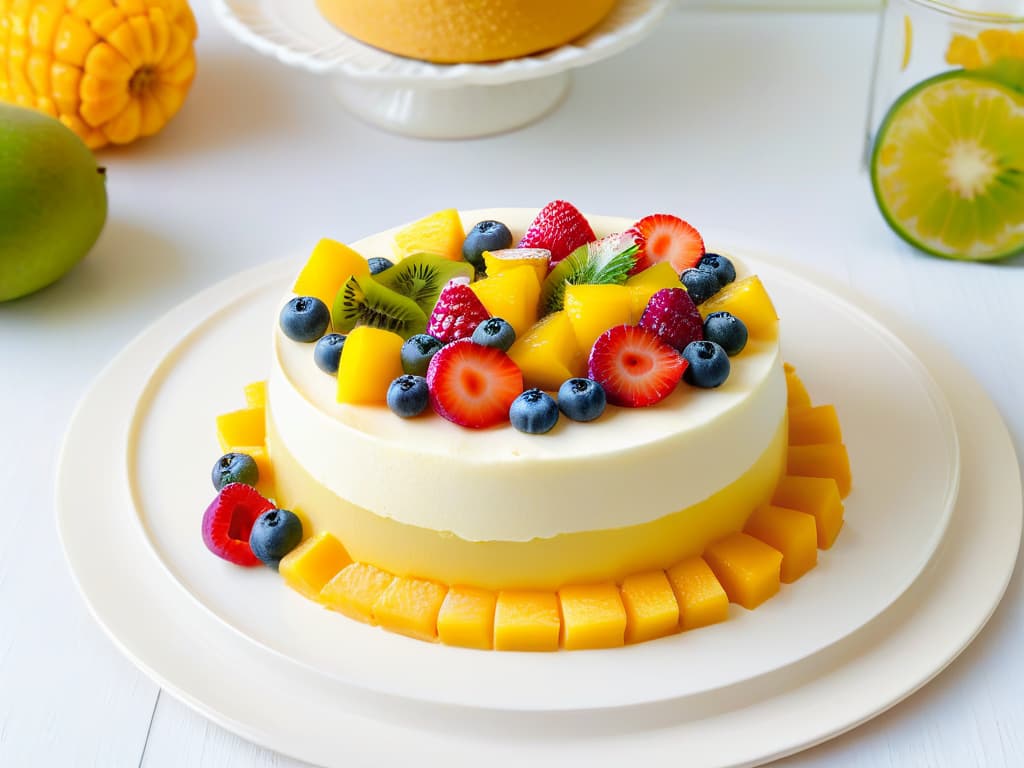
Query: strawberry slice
{"points": [[456, 314], [473, 385], [663, 237], [672, 315], [228, 522], [560, 228], [635, 367]]}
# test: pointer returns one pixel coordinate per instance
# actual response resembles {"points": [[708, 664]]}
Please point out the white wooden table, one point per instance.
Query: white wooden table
{"points": [[745, 122]]}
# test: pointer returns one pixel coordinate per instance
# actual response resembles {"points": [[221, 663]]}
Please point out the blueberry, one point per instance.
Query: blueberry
{"points": [[305, 318], [708, 364], [721, 266], [235, 468], [408, 396], [701, 284], [416, 353], [534, 412], [726, 330], [485, 236], [378, 264], [495, 332], [581, 399], [327, 352], [274, 534]]}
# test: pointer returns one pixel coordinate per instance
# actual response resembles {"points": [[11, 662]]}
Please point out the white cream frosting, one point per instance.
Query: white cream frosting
{"points": [[631, 466]]}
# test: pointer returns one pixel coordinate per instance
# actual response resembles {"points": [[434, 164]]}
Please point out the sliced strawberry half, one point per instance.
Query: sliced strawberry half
{"points": [[635, 367], [560, 228], [228, 522], [672, 315], [473, 385], [456, 314], [663, 237]]}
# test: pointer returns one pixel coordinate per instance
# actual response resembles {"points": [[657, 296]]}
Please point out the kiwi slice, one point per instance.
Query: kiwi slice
{"points": [[604, 262], [421, 277], [948, 167], [362, 301]]}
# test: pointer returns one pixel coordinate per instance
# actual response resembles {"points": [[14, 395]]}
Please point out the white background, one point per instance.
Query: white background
{"points": [[745, 122]]}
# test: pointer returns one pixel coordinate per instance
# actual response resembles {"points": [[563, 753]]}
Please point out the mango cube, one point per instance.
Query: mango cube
{"points": [[514, 296], [410, 607], [538, 259], [439, 233], [370, 361], [816, 496], [256, 394], [747, 568], [821, 460], [329, 267], [526, 621], [593, 309], [547, 355], [592, 616], [791, 532], [247, 426], [700, 596], [354, 590], [645, 284], [814, 424], [651, 607], [749, 301], [467, 618], [313, 563], [266, 469], [796, 392]]}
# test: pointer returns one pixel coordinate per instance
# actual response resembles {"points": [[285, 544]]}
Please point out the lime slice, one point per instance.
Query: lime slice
{"points": [[948, 167]]}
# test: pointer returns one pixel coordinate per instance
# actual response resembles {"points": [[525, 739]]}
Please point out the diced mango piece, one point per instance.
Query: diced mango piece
{"points": [[818, 497], [514, 296], [259, 454], [313, 563], [788, 368], [354, 590], [747, 568], [651, 607], [592, 616], [791, 532], [526, 621], [796, 392], [821, 460], [370, 360], [814, 424], [497, 262], [749, 301], [547, 355], [328, 268], [247, 426], [467, 618], [410, 607], [439, 233], [645, 284], [700, 596], [256, 394], [593, 309]]}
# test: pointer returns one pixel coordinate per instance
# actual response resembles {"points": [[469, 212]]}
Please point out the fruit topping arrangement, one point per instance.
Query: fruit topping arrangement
{"points": [[483, 331]]}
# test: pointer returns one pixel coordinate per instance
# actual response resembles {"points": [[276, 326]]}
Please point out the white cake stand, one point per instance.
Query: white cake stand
{"points": [[417, 98]]}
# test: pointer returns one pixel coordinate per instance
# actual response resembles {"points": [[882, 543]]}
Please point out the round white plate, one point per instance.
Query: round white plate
{"points": [[895, 517]]}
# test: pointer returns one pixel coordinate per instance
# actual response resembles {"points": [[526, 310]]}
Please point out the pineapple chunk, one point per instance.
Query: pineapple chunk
{"points": [[547, 355], [748, 569], [651, 607], [645, 284], [410, 607], [439, 233], [796, 392], [814, 424], [514, 296], [355, 589], [467, 618], [256, 394], [818, 497], [370, 360], [313, 563], [593, 309], [748, 300], [329, 267], [791, 532], [245, 427], [821, 460], [592, 616], [526, 621], [701, 598]]}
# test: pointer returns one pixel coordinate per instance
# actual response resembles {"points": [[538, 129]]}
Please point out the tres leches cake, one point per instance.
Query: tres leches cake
{"points": [[584, 440]]}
